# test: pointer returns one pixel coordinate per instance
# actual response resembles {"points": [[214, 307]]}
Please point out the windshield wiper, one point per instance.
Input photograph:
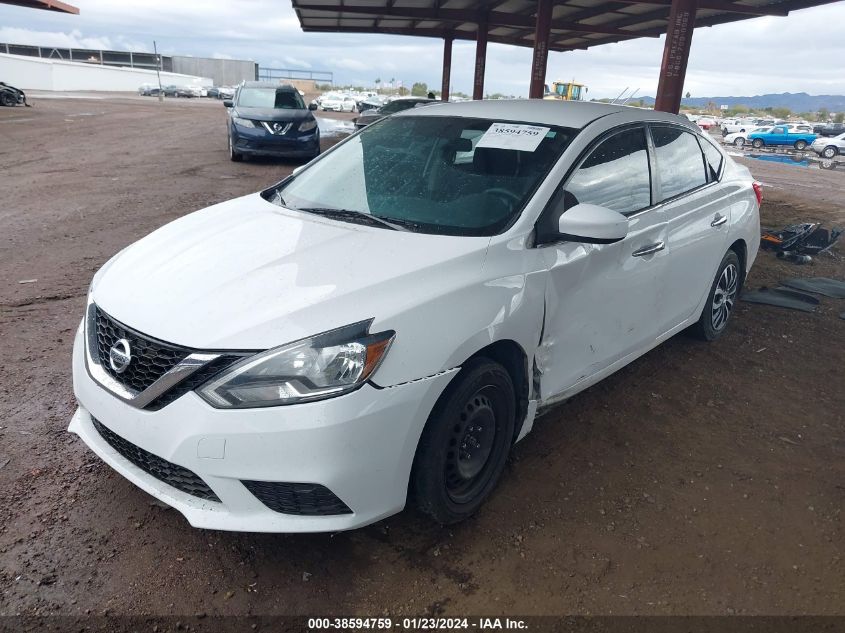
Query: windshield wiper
{"points": [[353, 216]]}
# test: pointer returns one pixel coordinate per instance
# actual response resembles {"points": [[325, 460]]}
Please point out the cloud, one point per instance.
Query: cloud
{"points": [[743, 58], [221, 56], [347, 63], [293, 62]]}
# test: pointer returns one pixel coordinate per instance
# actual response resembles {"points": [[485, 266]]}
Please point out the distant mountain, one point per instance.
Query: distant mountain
{"points": [[795, 101]]}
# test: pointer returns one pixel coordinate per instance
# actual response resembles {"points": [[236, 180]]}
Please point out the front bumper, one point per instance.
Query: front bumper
{"points": [[259, 142], [360, 446]]}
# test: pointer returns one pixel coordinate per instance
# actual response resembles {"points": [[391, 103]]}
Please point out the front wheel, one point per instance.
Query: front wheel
{"points": [[465, 443], [721, 299], [800, 145], [234, 156], [829, 152], [8, 99], [739, 141], [757, 143]]}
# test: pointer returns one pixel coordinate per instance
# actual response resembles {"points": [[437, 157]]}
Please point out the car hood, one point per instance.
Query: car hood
{"points": [[272, 114], [247, 274]]}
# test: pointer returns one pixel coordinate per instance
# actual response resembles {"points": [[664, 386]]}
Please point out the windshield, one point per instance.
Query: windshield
{"points": [[270, 98], [430, 174], [399, 105]]}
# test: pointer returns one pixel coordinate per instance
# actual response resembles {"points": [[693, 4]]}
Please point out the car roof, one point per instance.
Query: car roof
{"points": [[267, 84], [574, 114]]}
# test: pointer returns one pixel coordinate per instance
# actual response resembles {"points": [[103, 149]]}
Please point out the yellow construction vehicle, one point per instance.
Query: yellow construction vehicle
{"points": [[566, 91]]}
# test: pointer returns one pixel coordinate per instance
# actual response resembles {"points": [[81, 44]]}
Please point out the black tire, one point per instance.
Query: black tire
{"points": [[757, 143], [739, 141], [830, 151], [800, 145], [720, 300], [234, 156], [8, 99], [465, 443]]}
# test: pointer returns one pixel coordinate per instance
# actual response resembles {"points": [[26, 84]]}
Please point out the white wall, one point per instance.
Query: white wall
{"points": [[35, 73]]}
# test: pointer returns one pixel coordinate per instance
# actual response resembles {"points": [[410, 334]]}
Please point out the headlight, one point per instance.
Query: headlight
{"points": [[305, 126], [323, 366], [242, 122]]}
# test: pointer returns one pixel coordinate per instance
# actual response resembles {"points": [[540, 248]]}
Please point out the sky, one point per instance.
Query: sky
{"points": [[800, 53]]}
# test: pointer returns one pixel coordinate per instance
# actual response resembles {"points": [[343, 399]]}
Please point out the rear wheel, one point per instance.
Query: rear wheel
{"points": [[739, 141], [757, 143], [721, 299], [800, 145], [829, 152], [465, 444]]}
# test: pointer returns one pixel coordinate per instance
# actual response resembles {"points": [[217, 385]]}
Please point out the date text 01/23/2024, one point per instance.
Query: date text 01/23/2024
{"points": [[416, 624]]}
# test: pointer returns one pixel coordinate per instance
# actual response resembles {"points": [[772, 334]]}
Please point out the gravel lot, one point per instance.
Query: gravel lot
{"points": [[701, 479]]}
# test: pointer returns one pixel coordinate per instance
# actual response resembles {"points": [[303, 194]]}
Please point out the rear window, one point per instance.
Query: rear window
{"points": [[680, 164]]}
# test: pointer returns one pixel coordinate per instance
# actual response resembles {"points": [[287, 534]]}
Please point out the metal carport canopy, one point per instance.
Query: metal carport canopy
{"points": [[544, 25], [49, 5]]}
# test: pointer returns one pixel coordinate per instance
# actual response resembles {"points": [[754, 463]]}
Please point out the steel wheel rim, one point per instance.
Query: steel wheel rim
{"points": [[828, 153], [472, 444], [739, 142], [724, 297]]}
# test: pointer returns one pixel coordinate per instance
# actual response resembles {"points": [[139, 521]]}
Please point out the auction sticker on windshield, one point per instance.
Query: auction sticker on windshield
{"points": [[524, 138]]}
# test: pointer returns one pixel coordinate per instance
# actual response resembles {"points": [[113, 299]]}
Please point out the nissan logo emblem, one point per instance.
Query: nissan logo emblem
{"points": [[120, 355]]}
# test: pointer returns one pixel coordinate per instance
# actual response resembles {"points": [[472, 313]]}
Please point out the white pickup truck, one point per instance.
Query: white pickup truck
{"points": [[738, 125]]}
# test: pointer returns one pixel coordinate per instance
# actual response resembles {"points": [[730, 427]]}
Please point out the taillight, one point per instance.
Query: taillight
{"points": [[758, 191]]}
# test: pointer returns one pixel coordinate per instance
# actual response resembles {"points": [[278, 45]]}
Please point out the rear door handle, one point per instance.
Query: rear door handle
{"points": [[648, 250], [719, 220]]}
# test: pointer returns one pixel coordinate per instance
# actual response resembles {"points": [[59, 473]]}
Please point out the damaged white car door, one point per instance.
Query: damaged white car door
{"points": [[602, 299]]}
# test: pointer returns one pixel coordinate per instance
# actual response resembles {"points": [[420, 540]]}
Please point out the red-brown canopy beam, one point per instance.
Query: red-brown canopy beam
{"points": [[541, 49], [673, 70], [447, 68], [480, 60], [49, 5]]}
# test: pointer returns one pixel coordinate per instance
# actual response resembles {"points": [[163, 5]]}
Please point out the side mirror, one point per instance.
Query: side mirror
{"points": [[592, 224], [312, 106], [228, 103]]}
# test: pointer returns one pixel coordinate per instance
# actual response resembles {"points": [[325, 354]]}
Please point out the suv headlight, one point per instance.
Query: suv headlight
{"points": [[242, 122], [307, 126], [315, 368]]}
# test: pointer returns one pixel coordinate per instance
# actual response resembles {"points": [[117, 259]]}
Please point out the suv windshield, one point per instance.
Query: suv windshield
{"points": [[430, 174], [270, 98], [399, 105]]}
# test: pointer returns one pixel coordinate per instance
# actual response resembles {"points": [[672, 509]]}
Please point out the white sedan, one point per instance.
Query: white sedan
{"points": [[390, 318], [829, 147], [739, 139], [338, 103]]}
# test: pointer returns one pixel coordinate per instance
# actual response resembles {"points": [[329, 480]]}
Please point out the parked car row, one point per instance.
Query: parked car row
{"points": [[397, 105], [186, 91]]}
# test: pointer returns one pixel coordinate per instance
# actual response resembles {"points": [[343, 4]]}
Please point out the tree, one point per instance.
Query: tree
{"points": [[781, 113], [419, 89], [824, 114], [839, 117]]}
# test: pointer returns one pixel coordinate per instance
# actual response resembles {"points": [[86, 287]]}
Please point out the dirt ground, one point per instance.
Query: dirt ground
{"points": [[701, 479]]}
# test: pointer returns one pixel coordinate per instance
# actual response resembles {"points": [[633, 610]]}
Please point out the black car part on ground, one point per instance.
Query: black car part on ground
{"points": [[782, 298], [806, 238], [11, 96], [820, 285]]}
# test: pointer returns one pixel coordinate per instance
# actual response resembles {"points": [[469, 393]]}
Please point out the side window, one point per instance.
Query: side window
{"points": [[615, 175], [680, 165], [712, 158]]}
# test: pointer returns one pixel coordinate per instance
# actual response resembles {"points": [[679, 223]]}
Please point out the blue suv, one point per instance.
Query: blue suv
{"points": [[267, 119]]}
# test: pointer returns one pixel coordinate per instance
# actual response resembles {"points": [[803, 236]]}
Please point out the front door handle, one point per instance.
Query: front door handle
{"points": [[648, 250], [719, 220]]}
